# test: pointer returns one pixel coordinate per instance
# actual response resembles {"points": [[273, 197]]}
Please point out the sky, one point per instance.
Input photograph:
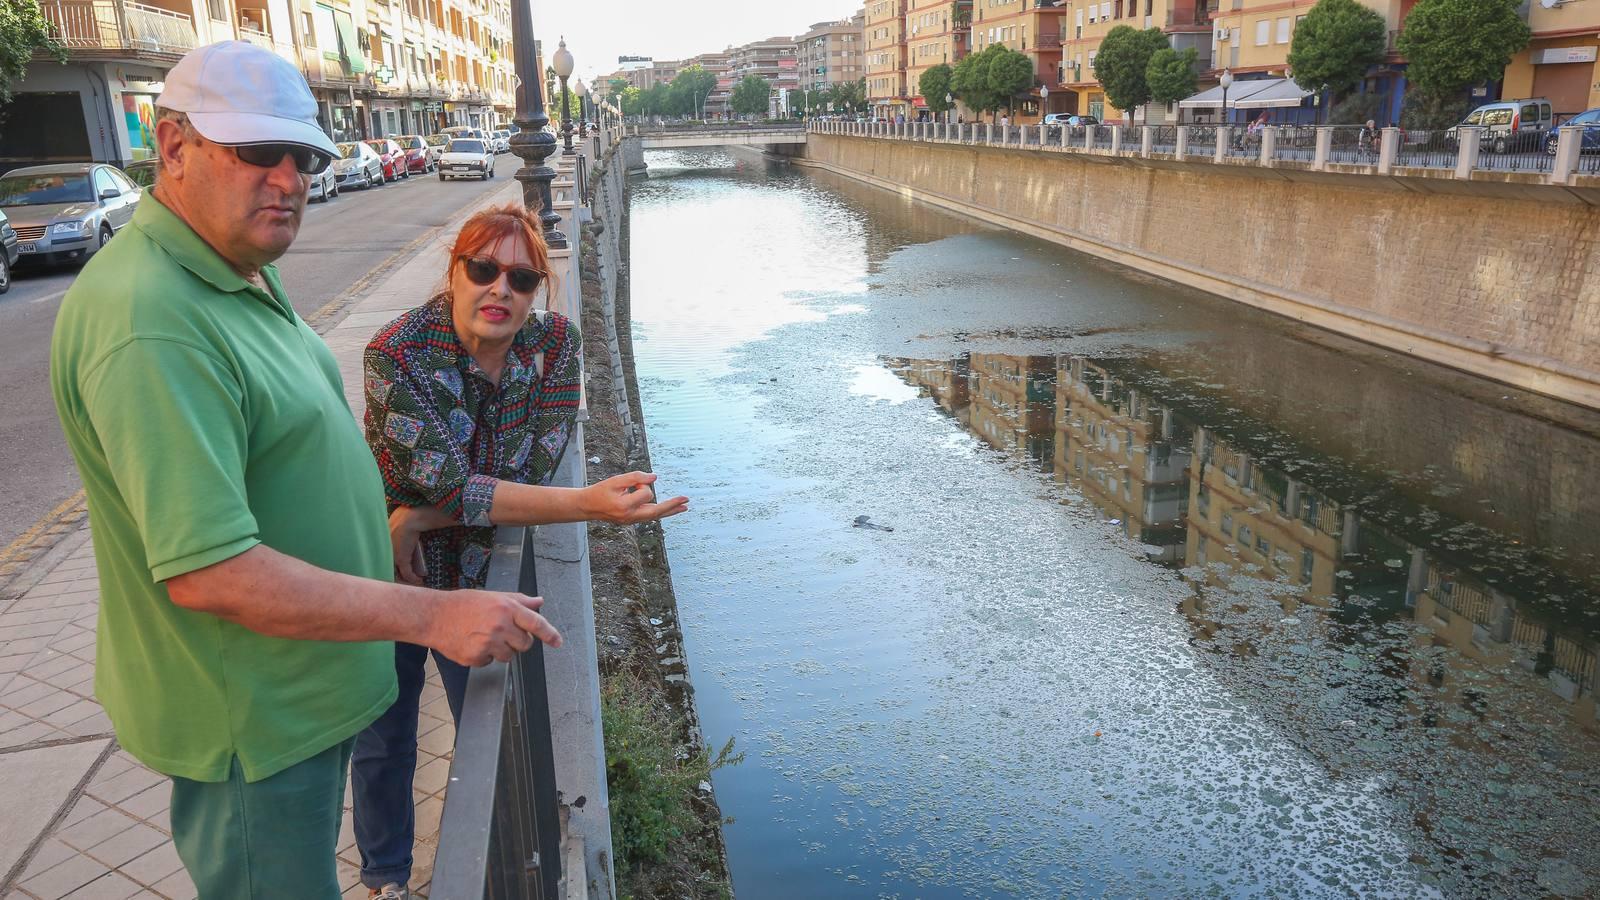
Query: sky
{"points": [[598, 32]]}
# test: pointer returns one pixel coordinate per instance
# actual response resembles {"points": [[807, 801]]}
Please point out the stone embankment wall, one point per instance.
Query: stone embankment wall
{"points": [[1502, 287]]}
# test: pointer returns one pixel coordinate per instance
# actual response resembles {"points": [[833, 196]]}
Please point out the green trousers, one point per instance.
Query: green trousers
{"points": [[274, 838]]}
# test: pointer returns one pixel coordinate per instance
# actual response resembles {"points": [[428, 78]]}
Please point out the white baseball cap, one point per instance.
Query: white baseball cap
{"points": [[237, 93]]}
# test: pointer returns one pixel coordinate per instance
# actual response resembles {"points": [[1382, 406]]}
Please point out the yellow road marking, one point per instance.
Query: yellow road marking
{"points": [[40, 527]]}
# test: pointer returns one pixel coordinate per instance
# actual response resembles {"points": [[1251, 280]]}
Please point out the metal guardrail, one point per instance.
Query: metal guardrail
{"points": [[1352, 145], [112, 25], [500, 833], [1202, 140], [1314, 147], [1429, 149], [1164, 139], [1519, 153], [1294, 142]]}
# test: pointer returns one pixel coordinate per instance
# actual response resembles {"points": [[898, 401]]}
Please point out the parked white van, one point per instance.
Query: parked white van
{"points": [[1510, 126]]}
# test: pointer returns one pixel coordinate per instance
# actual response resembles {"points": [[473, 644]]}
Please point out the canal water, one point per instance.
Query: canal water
{"points": [[1015, 573]]}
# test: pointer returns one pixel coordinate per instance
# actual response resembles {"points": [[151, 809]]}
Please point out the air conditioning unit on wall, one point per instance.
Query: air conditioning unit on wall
{"points": [[1223, 33]]}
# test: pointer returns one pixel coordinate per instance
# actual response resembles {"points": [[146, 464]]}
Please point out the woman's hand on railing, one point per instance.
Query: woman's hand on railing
{"points": [[406, 525], [629, 499], [475, 628]]}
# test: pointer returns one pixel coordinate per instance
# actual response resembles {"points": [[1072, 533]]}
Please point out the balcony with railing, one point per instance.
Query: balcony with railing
{"points": [[119, 26]]}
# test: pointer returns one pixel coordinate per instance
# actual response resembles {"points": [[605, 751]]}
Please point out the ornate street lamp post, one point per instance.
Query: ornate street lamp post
{"points": [[1227, 82], [532, 144], [582, 90], [562, 63]]}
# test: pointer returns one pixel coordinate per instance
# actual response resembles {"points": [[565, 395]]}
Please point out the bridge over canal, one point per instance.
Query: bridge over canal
{"points": [[721, 135]]}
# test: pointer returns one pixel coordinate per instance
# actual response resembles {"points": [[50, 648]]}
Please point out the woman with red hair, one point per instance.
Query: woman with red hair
{"points": [[471, 402]]}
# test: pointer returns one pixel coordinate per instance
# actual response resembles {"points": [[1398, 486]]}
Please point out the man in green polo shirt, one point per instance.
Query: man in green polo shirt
{"points": [[247, 607]]}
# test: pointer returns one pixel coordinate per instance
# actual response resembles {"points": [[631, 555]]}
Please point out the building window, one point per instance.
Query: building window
{"points": [[1285, 27], [1263, 32]]}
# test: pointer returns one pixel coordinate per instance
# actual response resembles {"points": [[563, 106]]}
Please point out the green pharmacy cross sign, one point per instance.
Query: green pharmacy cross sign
{"points": [[383, 74]]}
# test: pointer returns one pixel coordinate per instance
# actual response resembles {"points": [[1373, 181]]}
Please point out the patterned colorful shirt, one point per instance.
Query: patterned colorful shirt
{"points": [[446, 436]]}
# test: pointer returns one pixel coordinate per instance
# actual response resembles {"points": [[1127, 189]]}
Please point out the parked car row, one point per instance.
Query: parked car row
{"points": [[65, 212]]}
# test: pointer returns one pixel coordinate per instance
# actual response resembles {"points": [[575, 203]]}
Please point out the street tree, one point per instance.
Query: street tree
{"points": [[1123, 63], [631, 101], [751, 96], [1456, 44], [23, 29], [970, 80], [992, 78], [934, 85], [689, 91], [1010, 73], [1339, 41], [1171, 75]]}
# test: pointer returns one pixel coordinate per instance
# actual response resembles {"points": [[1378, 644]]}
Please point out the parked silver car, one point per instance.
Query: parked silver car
{"points": [[324, 186], [65, 212], [358, 165], [8, 252]]}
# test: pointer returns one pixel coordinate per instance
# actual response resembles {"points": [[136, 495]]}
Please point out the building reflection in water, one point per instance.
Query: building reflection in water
{"points": [[1370, 630]]}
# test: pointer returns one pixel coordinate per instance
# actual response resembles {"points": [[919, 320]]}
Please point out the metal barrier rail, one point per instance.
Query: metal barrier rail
{"points": [[500, 833], [1432, 149], [1296, 143], [1163, 139], [1353, 145], [1309, 146], [1202, 140], [1515, 153]]}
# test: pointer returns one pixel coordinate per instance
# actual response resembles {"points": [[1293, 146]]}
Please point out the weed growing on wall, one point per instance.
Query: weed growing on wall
{"points": [[653, 781]]}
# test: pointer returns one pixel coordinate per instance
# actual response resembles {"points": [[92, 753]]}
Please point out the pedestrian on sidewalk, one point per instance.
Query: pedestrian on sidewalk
{"points": [[472, 399], [247, 608]]}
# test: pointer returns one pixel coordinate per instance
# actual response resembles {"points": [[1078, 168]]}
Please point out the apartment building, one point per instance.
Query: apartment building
{"points": [[937, 32], [775, 59], [833, 53], [1560, 62], [718, 64], [376, 67], [885, 24], [1187, 23], [659, 72], [1031, 27]]}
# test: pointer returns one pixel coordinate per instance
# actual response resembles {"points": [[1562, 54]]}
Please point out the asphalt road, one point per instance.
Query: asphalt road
{"points": [[341, 242]]}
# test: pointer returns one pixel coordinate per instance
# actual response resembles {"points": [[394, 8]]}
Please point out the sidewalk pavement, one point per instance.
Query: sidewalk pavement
{"points": [[83, 819]]}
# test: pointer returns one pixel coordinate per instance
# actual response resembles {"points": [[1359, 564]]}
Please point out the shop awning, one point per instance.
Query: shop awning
{"points": [[347, 41], [1211, 98], [1283, 93]]}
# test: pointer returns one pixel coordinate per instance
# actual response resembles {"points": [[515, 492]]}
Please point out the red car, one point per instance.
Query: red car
{"points": [[419, 157], [394, 159]]}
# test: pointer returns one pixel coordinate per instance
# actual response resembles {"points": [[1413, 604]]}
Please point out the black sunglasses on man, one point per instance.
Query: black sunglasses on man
{"points": [[307, 160]]}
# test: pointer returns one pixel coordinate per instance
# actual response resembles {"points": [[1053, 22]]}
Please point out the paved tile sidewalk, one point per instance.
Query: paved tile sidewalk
{"points": [[92, 817]]}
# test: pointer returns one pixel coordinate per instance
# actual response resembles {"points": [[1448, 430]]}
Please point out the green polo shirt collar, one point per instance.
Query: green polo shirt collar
{"points": [[191, 251]]}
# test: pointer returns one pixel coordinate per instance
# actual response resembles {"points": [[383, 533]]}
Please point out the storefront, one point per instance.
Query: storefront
{"points": [[385, 118], [104, 112], [1562, 70]]}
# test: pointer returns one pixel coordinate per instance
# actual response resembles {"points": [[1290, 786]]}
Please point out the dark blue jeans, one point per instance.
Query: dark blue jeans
{"points": [[384, 764]]}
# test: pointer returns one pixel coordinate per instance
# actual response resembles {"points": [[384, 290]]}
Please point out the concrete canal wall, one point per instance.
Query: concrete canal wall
{"points": [[1496, 281]]}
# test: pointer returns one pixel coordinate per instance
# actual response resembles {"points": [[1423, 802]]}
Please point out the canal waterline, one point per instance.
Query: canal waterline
{"points": [[1058, 675]]}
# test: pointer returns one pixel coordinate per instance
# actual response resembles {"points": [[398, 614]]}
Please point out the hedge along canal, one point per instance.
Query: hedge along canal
{"points": [[1180, 599]]}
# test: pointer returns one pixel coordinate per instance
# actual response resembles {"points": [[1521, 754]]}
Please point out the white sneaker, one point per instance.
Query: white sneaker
{"points": [[390, 891]]}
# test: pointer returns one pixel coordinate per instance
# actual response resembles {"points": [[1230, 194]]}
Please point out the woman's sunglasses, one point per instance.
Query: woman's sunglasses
{"points": [[484, 272], [306, 160]]}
